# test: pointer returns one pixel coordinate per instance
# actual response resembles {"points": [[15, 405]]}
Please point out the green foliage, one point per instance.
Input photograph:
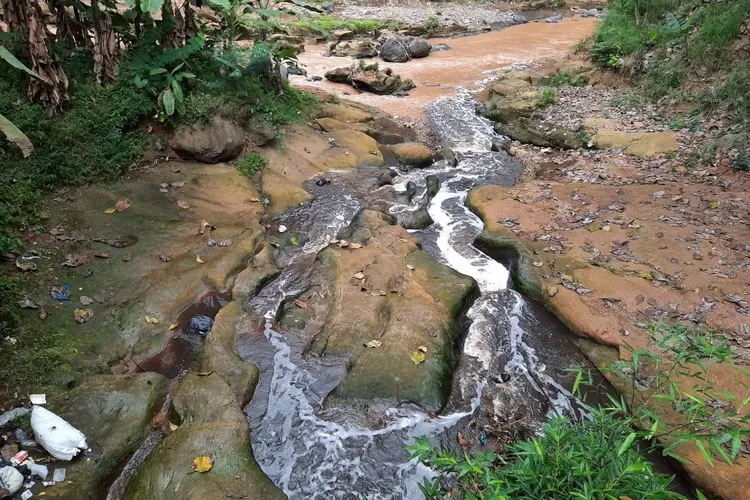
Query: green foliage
{"points": [[595, 458], [431, 24], [565, 80], [665, 77], [720, 24], [356, 25], [251, 164], [714, 421], [546, 97]]}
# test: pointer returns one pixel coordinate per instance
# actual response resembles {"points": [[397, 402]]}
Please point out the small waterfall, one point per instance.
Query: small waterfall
{"points": [[312, 453]]}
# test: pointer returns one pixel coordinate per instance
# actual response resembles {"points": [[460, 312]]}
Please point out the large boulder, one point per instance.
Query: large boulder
{"points": [[419, 47], [394, 293], [356, 48], [114, 413], [413, 154], [370, 79], [210, 423], [218, 140], [395, 49]]}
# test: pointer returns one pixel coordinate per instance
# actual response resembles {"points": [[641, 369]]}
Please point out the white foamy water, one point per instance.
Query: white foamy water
{"points": [[311, 453]]}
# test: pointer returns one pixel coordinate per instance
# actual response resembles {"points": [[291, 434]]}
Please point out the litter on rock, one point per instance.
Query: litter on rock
{"points": [[38, 399], [59, 475], [56, 435]]}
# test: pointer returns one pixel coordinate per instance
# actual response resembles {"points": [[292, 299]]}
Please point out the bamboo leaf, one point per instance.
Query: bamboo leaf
{"points": [[6, 56], [579, 377], [704, 452], [626, 444], [222, 4], [736, 443], [14, 135]]}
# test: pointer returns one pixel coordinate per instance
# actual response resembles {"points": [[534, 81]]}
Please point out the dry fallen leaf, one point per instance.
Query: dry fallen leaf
{"points": [[163, 190], [373, 344], [25, 265], [355, 245], [465, 443], [183, 204], [343, 243], [205, 374], [42, 314], [122, 205], [82, 315], [86, 301], [205, 225], [409, 267], [151, 320], [552, 291], [422, 348], [110, 210], [418, 357], [77, 259], [101, 255], [360, 275], [173, 427], [177, 184], [173, 326], [301, 304], [253, 199], [202, 464], [537, 264], [198, 259]]}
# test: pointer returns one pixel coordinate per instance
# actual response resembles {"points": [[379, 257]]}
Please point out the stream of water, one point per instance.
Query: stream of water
{"points": [[314, 452]]}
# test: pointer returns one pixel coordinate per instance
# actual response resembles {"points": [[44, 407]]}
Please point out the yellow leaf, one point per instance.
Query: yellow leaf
{"points": [[110, 210], [198, 259], [173, 326], [713, 204], [202, 464], [151, 320], [418, 357], [173, 427]]}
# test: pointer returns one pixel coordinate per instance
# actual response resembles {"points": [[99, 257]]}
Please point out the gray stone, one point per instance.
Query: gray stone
{"points": [[438, 47], [501, 144], [419, 47], [328, 6], [219, 140], [395, 49]]}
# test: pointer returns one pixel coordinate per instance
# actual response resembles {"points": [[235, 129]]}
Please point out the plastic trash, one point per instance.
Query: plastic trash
{"points": [[59, 475], [10, 480], [26, 495], [12, 415], [39, 471], [38, 399], [57, 436], [200, 324]]}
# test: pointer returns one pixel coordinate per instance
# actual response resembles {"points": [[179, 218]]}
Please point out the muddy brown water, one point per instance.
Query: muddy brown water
{"points": [[471, 63]]}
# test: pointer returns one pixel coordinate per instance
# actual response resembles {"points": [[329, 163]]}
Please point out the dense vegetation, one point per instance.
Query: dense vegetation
{"points": [[686, 51]]}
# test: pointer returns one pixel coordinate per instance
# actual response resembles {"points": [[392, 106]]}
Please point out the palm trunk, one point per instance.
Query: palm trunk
{"points": [[105, 45], [25, 16], [69, 29]]}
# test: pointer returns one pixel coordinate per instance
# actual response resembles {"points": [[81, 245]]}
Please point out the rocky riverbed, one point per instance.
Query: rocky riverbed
{"points": [[365, 287]]}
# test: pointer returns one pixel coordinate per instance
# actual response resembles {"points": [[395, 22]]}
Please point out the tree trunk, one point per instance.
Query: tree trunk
{"points": [[175, 35], [25, 16], [69, 29], [190, 27], [105, 45]]}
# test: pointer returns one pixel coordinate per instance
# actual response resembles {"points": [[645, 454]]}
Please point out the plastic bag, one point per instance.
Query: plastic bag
{"points": [[10, 479], [58, 437]]}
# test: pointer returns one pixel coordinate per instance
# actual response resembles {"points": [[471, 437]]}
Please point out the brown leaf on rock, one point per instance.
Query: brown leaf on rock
{"points": [[86, 301], [25, 265], [82, 315], [77, 259], [101, 255], [301, 304], [122, 205]]}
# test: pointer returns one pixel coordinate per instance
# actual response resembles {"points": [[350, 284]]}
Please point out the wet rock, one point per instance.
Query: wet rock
{"points": [[314, 78], [386, 178], [200, 325], [210, 423], [343, 113], [439, 47], [219, 140], [554, 19], [220, 355], [449, 156], [419, 47], [260, 132], [501, 144], [414, 154], [356, 48], [328, 6], [395, 49], [114, 413], [409, 300], [370, 79]]}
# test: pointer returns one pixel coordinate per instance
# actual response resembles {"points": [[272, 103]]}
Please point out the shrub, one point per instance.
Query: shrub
{"points": [[595, 458], [251, 164], [546, 97]]}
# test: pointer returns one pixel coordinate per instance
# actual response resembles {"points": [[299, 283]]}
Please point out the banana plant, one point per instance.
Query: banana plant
{"points": [[7, 127]]}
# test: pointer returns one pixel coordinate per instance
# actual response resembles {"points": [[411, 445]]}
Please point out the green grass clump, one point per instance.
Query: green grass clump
{"points": [[591, 459], [565, 80], [356, 25], [546, 97], [719, 25], [251, 164]]}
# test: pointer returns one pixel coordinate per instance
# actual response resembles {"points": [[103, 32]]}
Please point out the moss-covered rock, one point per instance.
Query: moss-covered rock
{"points": [[114, 413], [211, 424]]}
